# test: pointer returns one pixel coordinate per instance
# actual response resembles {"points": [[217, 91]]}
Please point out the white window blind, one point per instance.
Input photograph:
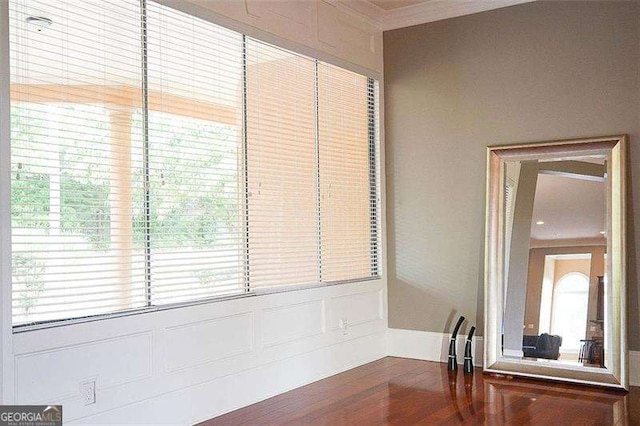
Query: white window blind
{"points": [[348, 195], [157, 159], [74, 168], [195, 157], [282, 167]]}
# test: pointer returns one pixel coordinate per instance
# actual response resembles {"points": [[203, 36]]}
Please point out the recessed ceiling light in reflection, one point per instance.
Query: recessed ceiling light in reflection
{"points": [[602, 232], [540, 222]]}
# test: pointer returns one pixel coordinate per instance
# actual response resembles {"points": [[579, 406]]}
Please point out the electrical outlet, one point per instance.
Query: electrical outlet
{"points": [[88, 392], [344, 325]]}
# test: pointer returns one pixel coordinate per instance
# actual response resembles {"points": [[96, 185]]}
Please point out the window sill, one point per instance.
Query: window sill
{"points": [[141, 311]]}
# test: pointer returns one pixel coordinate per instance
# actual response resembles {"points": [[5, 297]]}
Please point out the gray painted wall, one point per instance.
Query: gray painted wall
{"points": [[538, 71]]}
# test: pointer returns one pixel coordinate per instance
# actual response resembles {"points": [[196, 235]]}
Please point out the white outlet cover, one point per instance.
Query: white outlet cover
{"points": [[88, 392]]}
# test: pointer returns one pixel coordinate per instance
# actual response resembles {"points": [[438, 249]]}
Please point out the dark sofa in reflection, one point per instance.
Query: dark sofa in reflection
{"points": [[543, 346]]}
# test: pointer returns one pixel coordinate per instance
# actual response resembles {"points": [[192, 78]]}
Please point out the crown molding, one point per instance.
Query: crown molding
{"points": [[421, 13], [436, 10]]}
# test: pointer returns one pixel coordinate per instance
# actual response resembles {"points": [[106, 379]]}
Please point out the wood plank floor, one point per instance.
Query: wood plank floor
{"points": [[406, 392]]}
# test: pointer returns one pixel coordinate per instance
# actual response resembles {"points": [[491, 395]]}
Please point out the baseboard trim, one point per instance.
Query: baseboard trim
{"points": [[433, 346], [513, 353], [634, 368], [429, 346]]}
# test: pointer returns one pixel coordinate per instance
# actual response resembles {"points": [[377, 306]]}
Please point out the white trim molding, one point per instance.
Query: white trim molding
{"points": [[433, 346], [429, 346], [634, 368], [6, 342], [424, 12], [513, 353]]}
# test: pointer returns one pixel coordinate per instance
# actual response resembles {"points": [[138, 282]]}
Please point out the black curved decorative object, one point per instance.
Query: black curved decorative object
{"points": [[468, 358], [453, 362]]}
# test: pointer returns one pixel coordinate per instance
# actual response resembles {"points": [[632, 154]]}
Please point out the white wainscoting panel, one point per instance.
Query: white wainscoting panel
{"points": [[55, 375], [286, 323], [195, 403], [359, 308], [188, 364], [347, 36], [322, 28], [290, 10], [201, 342]]}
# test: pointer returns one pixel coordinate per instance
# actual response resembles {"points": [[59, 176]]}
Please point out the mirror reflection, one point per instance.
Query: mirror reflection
{"points": [[555, 218]]}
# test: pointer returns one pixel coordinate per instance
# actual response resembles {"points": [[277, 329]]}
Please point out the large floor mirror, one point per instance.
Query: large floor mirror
{"points": [[555, 289]]}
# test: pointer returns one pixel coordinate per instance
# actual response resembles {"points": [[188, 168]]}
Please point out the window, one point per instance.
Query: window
{"points": [[347, 183], [194, 157], [76, 172], [157, 159], [282, 170]]}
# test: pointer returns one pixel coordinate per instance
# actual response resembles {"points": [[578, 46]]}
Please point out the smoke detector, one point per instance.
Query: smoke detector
{"points": [[40, 22]]}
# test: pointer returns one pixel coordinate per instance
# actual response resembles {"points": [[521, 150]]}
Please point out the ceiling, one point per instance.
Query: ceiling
{"points": [[392, 14], [571, 209]]}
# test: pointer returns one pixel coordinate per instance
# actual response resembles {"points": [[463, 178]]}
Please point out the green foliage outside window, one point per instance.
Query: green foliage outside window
{"points": [[182, 216], [28, 272], [76, 176]]}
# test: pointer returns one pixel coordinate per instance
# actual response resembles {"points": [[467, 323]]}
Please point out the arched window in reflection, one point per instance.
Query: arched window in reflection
{"points": [[569, 313]]}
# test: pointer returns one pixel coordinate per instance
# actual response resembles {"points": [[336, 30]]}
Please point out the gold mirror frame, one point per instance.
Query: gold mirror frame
{"points": [[616, 372]]}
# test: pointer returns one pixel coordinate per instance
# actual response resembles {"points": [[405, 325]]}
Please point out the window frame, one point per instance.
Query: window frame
{"points": [[373, 126]]}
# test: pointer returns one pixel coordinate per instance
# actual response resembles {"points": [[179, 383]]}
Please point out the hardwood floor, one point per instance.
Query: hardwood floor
{"points": [[406, 391]]}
